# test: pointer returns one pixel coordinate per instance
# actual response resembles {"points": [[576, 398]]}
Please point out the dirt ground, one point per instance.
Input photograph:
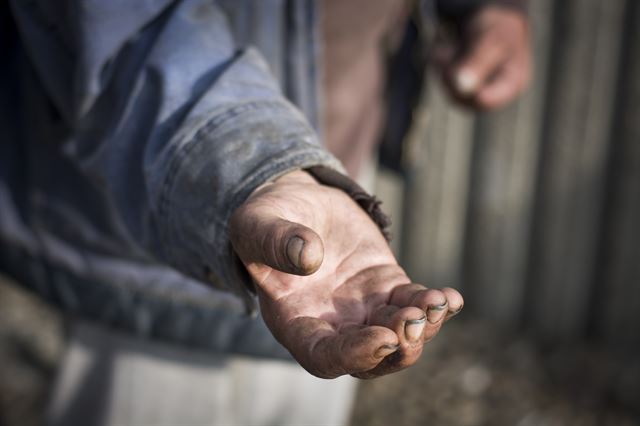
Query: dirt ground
{"points": [[471, 374]]}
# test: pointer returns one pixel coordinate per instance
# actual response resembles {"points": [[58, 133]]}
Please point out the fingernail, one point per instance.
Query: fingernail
{"points": [[386, 350], [466, 82], [454, 313], [413, 329], [436, 312], [294, 251]]}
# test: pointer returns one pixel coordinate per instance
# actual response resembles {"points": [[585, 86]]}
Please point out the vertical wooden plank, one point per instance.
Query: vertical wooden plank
{"points": [[436, 190], [616, 304], [502, 191], [581, 90], [389, 188]]}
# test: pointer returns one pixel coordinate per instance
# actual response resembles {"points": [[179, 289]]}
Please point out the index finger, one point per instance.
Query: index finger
{"points": [[511, 79]]}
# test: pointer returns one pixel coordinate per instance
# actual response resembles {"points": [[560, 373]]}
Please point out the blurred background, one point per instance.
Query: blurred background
{"points": [[533, 212]]}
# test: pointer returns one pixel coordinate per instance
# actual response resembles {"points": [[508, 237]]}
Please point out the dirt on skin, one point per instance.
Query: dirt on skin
{"points": [[471, 374]]}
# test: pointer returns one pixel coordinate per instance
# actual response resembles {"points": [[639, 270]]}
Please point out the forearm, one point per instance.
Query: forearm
{"points": [[167, 118]]}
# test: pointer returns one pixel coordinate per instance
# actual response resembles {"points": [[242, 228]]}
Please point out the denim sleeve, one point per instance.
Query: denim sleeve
{"points": [[175, 123]]}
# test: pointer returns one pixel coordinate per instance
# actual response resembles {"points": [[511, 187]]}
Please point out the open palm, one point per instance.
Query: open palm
{"points": [[330, 289]]}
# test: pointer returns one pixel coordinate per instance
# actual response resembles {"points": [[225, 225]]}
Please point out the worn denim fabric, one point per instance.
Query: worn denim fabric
{"points": [[130, 131]]}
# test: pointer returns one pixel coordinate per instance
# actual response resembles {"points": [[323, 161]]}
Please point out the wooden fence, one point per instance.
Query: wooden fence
{"points": [[534, 211]]}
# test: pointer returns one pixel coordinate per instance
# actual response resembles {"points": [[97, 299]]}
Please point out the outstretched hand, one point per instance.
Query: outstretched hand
{"points": [[330, 290]]}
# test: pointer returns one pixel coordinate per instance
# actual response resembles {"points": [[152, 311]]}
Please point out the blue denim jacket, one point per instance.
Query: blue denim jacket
{"points": [[130, 131], [136, 128]]}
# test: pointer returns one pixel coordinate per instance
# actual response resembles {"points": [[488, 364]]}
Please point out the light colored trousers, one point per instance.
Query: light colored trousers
{"points": [[113, 379]]}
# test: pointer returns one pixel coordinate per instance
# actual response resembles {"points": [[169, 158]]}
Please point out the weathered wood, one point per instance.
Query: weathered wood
{"points": [[436, 191], [567, 217], [502, 191], [535, 211], [616, 300], [389, 188]]}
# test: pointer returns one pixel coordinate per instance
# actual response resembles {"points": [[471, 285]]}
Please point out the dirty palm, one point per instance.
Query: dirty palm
{"points": [[329, 287]]}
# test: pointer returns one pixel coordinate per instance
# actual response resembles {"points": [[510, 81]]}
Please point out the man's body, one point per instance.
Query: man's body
{"points": [[157, 142]]}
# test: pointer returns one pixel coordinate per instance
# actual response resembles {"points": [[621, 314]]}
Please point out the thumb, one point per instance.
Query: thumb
{"points": [[483, 58], [267, 239]]}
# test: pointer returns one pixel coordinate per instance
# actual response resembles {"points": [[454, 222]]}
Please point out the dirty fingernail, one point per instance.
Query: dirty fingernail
{"points": [[466, 81], [294, 251], [436, 312], [386, 350], [413, 329], [454, 313]]}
